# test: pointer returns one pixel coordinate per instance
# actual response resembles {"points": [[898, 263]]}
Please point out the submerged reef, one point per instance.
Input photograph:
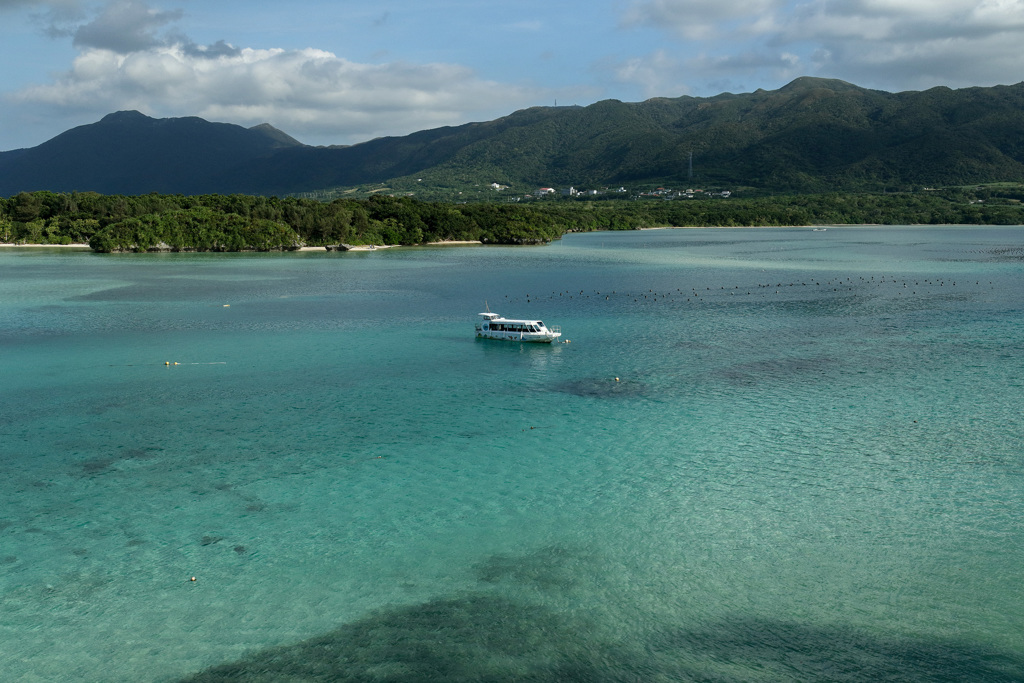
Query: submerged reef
{"points": [[484, 635]]}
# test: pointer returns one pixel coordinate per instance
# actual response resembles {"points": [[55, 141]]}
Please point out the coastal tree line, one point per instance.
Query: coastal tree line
{"points": [[261, 223]]}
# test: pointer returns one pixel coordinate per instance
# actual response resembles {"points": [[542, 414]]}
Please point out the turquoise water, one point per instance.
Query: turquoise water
{"points": [[766, 455]]}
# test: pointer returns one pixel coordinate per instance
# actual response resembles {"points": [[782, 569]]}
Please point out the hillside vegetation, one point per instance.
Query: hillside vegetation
{"points": [[810, 136]]}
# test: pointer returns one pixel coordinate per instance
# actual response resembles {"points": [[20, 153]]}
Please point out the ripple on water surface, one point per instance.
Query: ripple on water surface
{"points": [[813, 481]]}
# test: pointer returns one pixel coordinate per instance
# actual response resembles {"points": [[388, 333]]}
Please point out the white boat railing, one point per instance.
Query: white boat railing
{"points": [[556, 329]]}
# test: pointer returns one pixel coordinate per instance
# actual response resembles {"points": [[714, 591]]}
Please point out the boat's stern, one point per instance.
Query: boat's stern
{"points": [[485, 317]]}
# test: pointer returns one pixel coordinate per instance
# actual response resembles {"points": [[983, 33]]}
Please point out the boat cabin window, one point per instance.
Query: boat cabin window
{"points": [[514, 327]]}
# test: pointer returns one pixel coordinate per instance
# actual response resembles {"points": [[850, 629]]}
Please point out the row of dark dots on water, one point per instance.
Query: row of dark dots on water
{"points": [[837, 285], [998, 251]]}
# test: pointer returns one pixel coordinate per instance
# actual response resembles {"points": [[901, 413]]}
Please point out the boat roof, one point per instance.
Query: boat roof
{"points": [[495, 316]]}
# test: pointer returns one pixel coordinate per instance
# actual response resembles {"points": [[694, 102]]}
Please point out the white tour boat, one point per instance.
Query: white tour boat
{"points": [[493, 326]]}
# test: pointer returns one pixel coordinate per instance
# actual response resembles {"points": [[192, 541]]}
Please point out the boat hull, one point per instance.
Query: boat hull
{"points": [[515, 337]]}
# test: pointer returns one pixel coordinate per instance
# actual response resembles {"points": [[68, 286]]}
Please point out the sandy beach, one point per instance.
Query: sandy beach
{"points": [[86, 246], [54, 246], [374, 247], [361, 247]]}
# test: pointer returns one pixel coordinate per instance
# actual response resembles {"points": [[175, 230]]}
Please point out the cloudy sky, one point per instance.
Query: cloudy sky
{"points": [[338, 72]]}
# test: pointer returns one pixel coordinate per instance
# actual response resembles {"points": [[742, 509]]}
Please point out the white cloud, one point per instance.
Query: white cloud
{"points": [[662, 75], [50, 16], [905, 21], [656, 75], [703, 19], [891, 44], [311, 94], [915, 43], [130, 56], [125, 26]]}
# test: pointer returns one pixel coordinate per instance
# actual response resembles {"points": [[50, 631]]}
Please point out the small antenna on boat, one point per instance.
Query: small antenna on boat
{"points": [[486, 307]]}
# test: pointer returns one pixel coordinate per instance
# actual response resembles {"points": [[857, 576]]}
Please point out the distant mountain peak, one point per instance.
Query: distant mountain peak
{"points": [[279, 136], [813, 83], [126, 116]]}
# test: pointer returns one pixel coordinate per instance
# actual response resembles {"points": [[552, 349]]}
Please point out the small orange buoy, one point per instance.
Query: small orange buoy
{"points": [[192, 579]]}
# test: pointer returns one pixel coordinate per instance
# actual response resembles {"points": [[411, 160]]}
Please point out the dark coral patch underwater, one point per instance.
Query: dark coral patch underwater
{"points": [[483, 638]]}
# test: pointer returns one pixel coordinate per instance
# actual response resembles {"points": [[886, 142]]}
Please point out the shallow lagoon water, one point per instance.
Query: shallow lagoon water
{"points": [[767, 454]]}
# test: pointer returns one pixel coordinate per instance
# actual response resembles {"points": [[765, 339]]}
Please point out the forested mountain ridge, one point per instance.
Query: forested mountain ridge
{"points": [[130, 153], [811, 135]]}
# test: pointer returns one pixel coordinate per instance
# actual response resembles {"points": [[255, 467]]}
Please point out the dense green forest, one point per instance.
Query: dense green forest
{"points": [[110, 223]]}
